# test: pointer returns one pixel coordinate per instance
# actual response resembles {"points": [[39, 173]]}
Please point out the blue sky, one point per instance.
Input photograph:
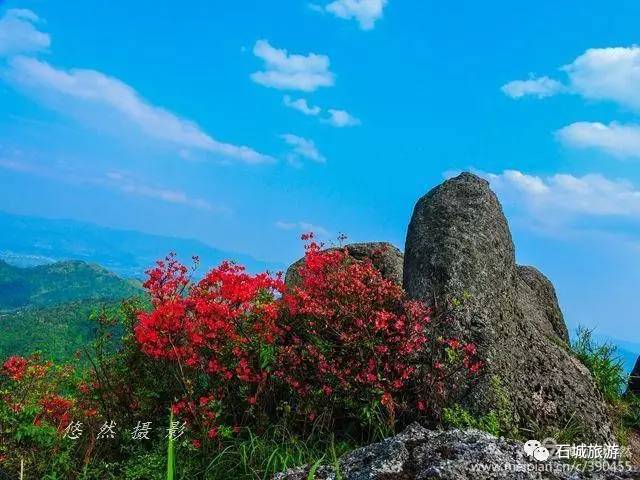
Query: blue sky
{"points": [[244, 123]]}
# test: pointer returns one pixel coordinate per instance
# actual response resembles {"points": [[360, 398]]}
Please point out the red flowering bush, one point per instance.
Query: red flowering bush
{"points": [[342, 348], [56, 410], [343, 343], [351, 338], [32, 389], [221, 329], [15, 368], [37, 402]]}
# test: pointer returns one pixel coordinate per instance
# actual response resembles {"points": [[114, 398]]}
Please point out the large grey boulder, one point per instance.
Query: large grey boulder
{"points": [[459, 258], [634, 379], [420, 454], [384, 256]]}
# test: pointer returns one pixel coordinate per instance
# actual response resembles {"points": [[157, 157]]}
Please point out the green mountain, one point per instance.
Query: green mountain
{"points": [[48, 308], [58, 283]]}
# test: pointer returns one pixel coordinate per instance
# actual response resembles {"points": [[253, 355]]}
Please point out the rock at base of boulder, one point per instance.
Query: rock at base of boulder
{"points": [[384, 256], [420, 454]]}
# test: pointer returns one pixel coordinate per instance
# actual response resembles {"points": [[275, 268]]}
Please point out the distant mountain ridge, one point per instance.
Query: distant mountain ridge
{"points": [[29, 241]]}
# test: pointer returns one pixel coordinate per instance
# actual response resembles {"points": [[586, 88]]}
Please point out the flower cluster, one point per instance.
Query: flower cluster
{"points": [[56, 410], [224, 327], [35, 390], [351, 334], [15, 368], [341, 340]]}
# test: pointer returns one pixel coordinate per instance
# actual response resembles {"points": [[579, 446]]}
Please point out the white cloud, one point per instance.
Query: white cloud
{"points": [[115, 181], [525, 183], [129, 186], [305, 227], [562, 196], [301, 105], [336, 118], [303, 147], [539, 87], [616, 139], [365, 12], [93, 91], [611, 74], [18, 33], [603, 74], [342, 118], [607, 74], [286, 71]]}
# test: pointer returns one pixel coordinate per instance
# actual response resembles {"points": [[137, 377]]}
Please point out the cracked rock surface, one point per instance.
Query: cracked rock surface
{"points": [[421, 454]]}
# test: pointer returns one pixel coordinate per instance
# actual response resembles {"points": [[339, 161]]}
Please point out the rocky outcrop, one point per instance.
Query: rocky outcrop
{"points": [[420, 454], [538, 301], [634, 379], [384, 256], [459, 257]]}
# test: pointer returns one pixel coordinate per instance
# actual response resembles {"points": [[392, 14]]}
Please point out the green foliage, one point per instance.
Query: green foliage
{"points": [[572, 431], [250, 456], [335, 460], [498, 422], [60, 283], [48, 309], [631, 412], [56, 332], [459, 417], [171, 461], [314, 468], [603, 362], [145, 466], [503, 408], [606, 367]]}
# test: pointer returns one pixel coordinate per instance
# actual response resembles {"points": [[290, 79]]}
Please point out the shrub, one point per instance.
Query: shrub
{"points": [[344, 345], [219, 336], [38, 402], [603, 362], [351, 338], [631, 413], [262, 373], [458, 417]]}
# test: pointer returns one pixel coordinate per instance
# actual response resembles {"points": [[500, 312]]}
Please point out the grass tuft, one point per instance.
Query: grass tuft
{"points": [[603, 362]]}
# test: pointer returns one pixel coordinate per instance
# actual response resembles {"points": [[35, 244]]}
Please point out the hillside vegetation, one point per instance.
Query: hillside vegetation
{"points": [[57, 332], [59, 283], [49, 308]]}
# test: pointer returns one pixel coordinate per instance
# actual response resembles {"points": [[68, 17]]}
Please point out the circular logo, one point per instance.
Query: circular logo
{"points": [[530, 447], [541, 454]]}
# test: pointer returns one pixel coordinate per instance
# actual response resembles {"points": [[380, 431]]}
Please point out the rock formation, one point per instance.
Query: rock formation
{"points": [[538, 301], [384, 256], [460, 258], [420, 454], [634, 379]]}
